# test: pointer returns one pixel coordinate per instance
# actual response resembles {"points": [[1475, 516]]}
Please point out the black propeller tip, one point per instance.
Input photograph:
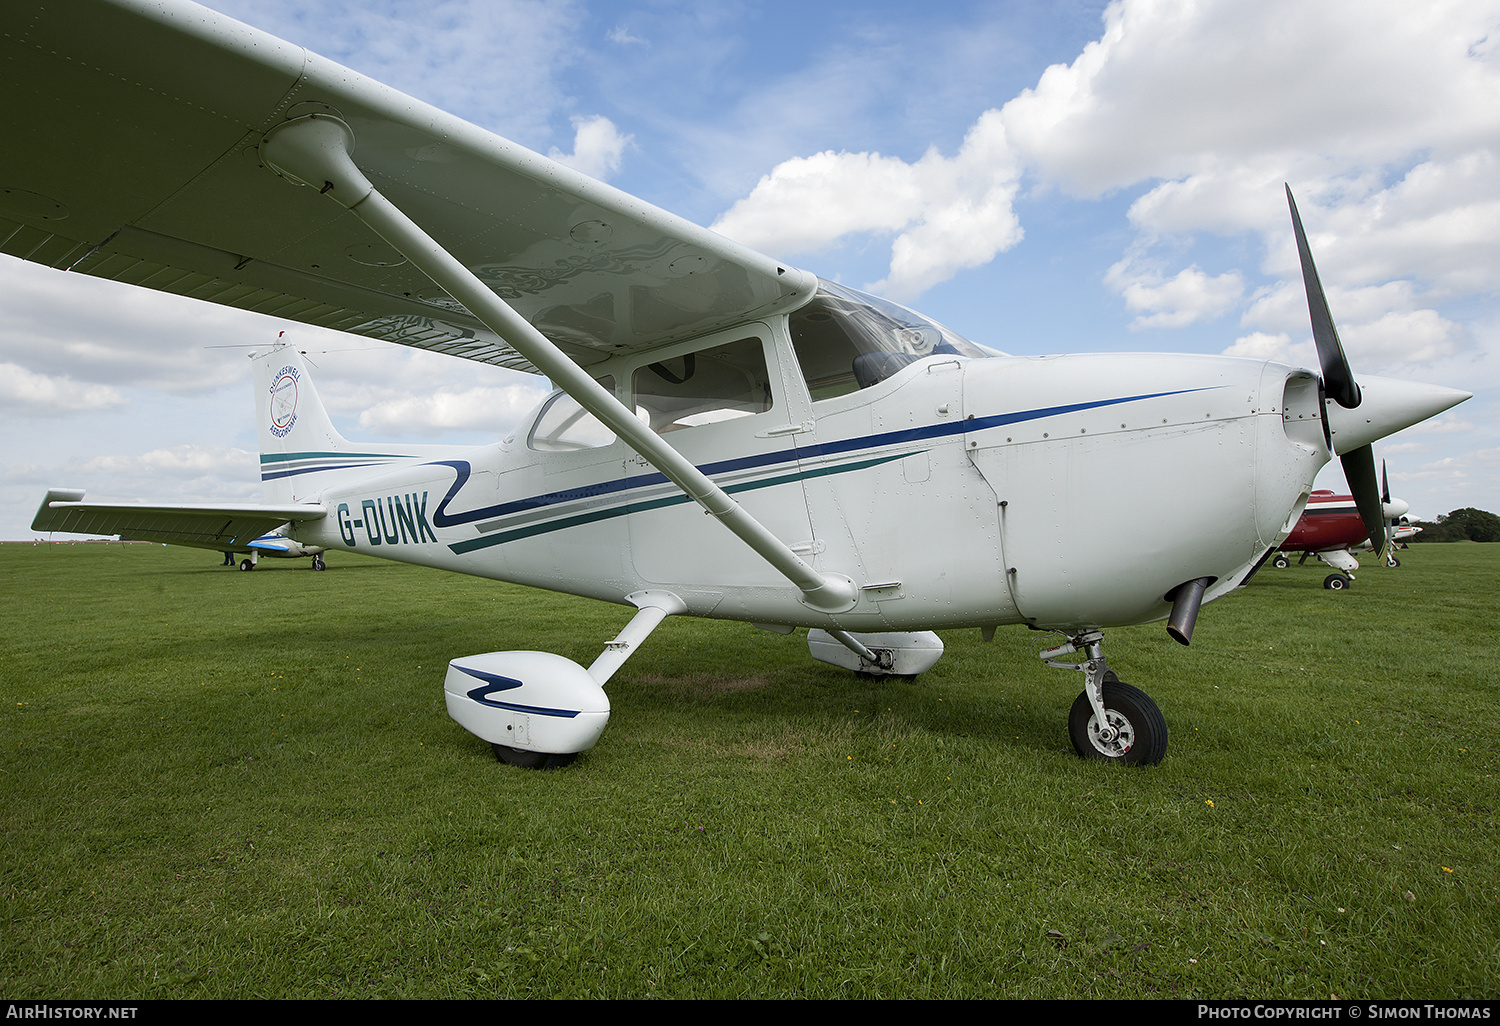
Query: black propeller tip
{"points": [[1338, 377]]}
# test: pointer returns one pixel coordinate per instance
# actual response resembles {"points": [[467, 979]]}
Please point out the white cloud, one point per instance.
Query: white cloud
{"points": [[1401, 449], [1188, 296], [1401, 337], [1381, 326], [186, 463], [808, 203], [1176, 89], [1383, 114], [946, 213], [119, 336], [491, 409], [1280, 348], [620, 34], [24, 391], [598, 147], [176, 473]]}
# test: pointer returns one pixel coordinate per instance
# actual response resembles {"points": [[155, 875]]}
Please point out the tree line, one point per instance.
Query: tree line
{"points": [[1466, 524]]}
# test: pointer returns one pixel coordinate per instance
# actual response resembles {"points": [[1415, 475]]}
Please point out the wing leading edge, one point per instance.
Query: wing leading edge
{"points": [[132, 154], [202, 526]]}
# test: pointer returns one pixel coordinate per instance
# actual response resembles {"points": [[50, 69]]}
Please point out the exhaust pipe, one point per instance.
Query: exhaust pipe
{"points": [[1186, 599]]}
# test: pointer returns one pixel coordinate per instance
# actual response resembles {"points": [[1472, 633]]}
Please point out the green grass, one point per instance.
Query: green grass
{"points": [[220, 784]]}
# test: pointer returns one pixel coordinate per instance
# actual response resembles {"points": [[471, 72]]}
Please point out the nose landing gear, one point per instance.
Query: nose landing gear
{"points": [[1111, 721]]}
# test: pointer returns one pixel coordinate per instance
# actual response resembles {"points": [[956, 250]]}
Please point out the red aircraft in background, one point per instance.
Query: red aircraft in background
{"points": [[1330, 528]]}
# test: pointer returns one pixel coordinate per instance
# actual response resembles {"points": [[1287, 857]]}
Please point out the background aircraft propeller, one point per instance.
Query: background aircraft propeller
{"points": [[1340, 386]]}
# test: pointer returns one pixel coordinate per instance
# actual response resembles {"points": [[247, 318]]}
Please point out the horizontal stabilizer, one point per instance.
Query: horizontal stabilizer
{"points": [[201, 525]]}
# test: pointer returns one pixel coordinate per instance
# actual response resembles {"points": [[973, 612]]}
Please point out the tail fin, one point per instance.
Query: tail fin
{"points": [[297, 440], [301, 453]]}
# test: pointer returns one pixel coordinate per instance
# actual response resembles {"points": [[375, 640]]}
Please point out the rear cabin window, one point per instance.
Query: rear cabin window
{"points": [[704, 387], [564, 426]]}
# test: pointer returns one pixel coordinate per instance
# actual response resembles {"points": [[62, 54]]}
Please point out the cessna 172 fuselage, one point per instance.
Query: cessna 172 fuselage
{"points": [[732, 437]]}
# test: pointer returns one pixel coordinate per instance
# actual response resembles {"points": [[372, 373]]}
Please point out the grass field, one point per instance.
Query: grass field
{"points": [[219, 784]]}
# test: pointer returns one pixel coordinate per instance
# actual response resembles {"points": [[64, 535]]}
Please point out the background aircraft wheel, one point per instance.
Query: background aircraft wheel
{"points": [[318, 563], [1142, 729], [531, 760], [1393, 561], [1281, 562], [245, 564], [1336, 582]]}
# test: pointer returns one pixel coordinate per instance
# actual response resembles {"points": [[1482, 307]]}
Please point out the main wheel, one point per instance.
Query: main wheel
{"points": [[1392, 561], [1336, 582], [1140, 729], [1281, 562], [531, 760], [245, 564], [318, 563]]}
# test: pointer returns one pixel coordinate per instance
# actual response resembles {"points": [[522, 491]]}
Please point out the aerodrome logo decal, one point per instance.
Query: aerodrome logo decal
{"points": [[284, 400]]}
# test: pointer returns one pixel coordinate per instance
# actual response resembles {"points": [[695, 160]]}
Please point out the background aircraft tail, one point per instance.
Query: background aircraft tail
{"points": [[301, 452]]}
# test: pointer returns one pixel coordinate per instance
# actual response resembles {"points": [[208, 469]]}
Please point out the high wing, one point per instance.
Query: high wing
{"points": [[133, 154], [203, 526], [171, 147]]}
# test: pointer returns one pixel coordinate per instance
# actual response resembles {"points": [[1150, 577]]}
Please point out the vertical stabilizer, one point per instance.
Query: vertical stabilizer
{"points": [[301, 453], [297, 440]]}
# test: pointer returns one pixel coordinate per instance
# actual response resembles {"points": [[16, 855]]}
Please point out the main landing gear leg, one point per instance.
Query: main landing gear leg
{"points": [[552, 708], [1111, 721]]}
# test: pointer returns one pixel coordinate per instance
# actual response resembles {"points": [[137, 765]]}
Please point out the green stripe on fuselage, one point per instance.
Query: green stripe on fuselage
{"points": [[474, 544]]}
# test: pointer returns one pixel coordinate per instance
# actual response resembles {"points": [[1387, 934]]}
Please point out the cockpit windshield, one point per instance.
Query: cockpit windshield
{"points": [[847, 340]]}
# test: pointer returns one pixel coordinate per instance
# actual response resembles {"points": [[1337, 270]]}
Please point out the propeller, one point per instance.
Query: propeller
{"points": [[1340, 386], [1338, 377]]}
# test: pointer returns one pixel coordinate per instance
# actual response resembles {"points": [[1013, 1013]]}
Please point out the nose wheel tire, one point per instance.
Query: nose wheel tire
{"points": [[1336, 582], [1135, 732]]}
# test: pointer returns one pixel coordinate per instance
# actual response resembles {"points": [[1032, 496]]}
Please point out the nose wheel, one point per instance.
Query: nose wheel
{"points": [[1111, 721], [1134, 732]]}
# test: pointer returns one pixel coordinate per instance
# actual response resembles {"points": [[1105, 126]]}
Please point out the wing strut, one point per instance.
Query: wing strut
{"points": [[316, 151]]}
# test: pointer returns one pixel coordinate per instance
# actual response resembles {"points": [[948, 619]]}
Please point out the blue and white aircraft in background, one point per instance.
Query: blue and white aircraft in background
{"points": [[731, 437]]}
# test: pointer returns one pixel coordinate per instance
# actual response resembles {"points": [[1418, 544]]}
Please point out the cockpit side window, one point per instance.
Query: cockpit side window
{"points": [[703, 387], [846, 340]]}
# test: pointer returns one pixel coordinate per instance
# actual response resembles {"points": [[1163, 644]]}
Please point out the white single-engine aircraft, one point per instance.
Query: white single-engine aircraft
{"points": [[879, 475]]}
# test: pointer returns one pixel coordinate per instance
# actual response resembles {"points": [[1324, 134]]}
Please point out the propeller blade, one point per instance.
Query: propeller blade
{"points": [[1359, 471], [1338, 379], [1385, 485]]}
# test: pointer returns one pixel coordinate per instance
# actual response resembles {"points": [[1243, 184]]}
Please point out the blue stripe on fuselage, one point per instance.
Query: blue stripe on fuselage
{"points": [[442, 518]]}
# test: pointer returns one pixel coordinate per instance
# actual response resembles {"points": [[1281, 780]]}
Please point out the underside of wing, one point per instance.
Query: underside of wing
{"points": [[203, 526], [132, 152]]}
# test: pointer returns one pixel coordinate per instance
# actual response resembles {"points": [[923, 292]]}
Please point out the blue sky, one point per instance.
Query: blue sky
{"points": [[1041, 177]]}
